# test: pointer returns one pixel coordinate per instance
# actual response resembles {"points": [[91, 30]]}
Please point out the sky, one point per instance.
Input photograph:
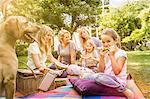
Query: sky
{"points": [[117, 3]]}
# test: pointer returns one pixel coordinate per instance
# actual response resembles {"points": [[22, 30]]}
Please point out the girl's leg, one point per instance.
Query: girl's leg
{"points": [[90, 76], [129, 94], [113, 81]]}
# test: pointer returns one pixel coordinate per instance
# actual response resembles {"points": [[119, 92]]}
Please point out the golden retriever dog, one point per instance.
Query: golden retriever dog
{"points": [[13, 28]]}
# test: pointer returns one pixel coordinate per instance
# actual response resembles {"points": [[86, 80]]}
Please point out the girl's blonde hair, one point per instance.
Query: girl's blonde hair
{"points": [[61, 34], [83, 40], [112, 33], [92, 43], [44, 45]]}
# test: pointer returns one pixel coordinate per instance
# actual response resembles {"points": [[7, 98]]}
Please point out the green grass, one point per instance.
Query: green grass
{"points": [[22, 59], [138, 66]]}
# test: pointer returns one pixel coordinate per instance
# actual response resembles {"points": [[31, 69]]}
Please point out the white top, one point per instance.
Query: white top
{"points": [[34, 49], [90, 62], [108, 67]]}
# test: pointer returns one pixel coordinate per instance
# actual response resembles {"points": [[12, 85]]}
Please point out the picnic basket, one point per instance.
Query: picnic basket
{"points": [[28, 81]]}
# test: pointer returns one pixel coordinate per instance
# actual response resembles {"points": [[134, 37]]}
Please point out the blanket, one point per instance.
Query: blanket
{"points": [[67, 92]]}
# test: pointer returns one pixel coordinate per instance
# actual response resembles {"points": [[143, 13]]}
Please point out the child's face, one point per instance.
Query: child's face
{"points": [[89, 47], [107, 41], [66, 37]]}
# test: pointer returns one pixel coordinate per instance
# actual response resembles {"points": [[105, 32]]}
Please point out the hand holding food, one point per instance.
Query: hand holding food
{"points": [[103, 51], [112, 50]]}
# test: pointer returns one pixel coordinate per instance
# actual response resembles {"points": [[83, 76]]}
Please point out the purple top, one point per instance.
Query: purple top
{"points": [[96, 41], [65, 52]]}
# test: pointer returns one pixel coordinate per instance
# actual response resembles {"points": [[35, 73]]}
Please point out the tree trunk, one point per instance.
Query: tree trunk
{"points": [[74, 24]]}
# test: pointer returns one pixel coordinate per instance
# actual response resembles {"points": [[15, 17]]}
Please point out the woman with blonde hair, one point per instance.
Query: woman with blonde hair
{"points": [[40, 49], [66, 48], [84, 35]]}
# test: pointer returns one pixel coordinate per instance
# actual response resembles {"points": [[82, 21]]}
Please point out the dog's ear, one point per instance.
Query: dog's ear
{"points": [[11, 27], [18, 28]]}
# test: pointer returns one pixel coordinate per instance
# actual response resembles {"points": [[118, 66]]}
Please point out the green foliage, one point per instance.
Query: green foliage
{"points": [[137, 35], [145, 17], [138, 66], [53, 12], [129, 22], [28, 8], [21, 48], [55, 54]]}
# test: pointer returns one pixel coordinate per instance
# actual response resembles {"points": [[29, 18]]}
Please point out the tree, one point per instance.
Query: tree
{"points": [[54, 12], [3, 5], [142, 34], [126, 22]]}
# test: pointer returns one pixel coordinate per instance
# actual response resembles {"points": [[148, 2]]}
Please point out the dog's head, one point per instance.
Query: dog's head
{"points": [[19, 27]]}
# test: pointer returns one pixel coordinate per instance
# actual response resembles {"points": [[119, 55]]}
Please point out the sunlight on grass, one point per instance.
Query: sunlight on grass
{"points": [[139, 67]]}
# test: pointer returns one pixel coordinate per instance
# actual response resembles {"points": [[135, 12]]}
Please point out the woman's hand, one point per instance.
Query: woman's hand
{"points": [[43, 68]]}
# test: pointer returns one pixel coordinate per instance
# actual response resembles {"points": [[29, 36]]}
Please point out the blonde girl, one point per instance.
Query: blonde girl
{"points": [[40, 49], [90, 57], [112, 63]]}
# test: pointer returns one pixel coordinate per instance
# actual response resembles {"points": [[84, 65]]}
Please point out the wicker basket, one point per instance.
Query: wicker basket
{"points": [[29, 84]]}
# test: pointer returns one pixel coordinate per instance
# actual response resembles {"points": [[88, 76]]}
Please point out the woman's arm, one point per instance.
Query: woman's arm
{"points": [[59, 58], [73, 56], [36, 60], [51, 58]]}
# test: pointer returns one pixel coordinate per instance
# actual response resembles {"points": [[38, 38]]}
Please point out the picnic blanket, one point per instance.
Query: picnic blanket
{"points": [[67, 92], [64, 92]]}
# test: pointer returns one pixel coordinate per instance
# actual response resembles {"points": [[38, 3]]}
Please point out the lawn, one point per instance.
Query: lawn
{"points": [[138, 66]]}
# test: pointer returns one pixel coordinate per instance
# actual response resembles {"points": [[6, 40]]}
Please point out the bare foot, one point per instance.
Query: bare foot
{"points": [[129, 94], [58, 72]]}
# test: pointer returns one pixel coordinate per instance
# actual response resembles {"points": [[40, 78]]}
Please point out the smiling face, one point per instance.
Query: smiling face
{"points": [[89, 46], [107, 41]]}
